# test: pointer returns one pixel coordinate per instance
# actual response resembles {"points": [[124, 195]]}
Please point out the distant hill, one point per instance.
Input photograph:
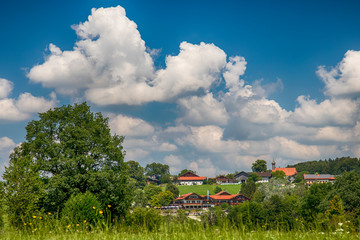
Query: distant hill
{"points": [[332, 166]]}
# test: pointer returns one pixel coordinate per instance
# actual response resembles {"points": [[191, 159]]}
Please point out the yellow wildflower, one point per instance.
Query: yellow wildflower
{"points": [[30, 223], [49, 213], [109, 206], [34, 216], [35, 229], [25, 224], [40, 218], [94, 207], [101, 212], [69, 225], [84, 221], [77, 225]]}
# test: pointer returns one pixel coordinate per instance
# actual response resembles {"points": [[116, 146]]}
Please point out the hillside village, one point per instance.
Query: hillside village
{"points": [[193, 200]]}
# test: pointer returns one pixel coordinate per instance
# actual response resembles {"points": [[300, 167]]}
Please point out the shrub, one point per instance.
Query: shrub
{"points": [[172, 188], [214, 217], [83, 207], [147, 218], [224, 205], [217, 189]]}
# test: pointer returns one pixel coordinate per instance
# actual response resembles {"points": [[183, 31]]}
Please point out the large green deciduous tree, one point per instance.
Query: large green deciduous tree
{"points": [[160, 171], [136, 174], [259, 166], [68, 151]]}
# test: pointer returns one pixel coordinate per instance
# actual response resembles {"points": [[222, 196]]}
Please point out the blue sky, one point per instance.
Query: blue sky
{"points": [[207, 85]]}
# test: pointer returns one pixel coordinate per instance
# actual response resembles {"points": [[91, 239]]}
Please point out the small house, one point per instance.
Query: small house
{"points": [[190, 178]]}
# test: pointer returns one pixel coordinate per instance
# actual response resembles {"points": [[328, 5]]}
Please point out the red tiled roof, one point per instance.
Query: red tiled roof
{"points": [[223, 197], [287, 171], [189, 174], [184, 196], [223, 193], [191, 178]]}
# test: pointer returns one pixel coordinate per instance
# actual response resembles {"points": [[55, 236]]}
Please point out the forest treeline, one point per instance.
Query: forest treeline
{"points": [[331, 166]]}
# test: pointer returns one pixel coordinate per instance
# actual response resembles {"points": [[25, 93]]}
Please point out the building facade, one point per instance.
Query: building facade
{"points": [[190, 178], [318, 178], [195, 201]]}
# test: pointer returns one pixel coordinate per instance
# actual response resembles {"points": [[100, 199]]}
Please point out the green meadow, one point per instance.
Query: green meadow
{"points": [[202, 189], [187, 230]]}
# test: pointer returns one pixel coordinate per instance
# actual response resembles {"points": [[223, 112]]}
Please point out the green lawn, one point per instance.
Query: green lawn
{"points": [[202, 189]]}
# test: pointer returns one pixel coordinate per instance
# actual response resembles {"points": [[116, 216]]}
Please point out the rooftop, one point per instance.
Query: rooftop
{"points": [[288, 171]]}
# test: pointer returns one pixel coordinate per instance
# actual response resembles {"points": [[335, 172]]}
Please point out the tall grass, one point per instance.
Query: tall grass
{"points": [[168, 229]]}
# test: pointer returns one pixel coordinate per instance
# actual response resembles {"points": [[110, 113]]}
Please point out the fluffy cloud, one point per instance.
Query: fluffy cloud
{"points": [[111, 64], [130, 127], [219, 125], [203, 167], [5, 88], [23, 107], [202, 110], [263, 111], [344, 79], [6, 145], [328, 112], [233, 70]]}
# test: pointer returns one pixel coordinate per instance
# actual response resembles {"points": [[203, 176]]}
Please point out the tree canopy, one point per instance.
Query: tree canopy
{"points": [[68, 151], [259, 166], [185, 171], [331, 166], [136, 174], [160, 171]]}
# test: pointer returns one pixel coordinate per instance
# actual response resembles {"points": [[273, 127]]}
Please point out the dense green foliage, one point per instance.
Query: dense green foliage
{"points": [[248, 188], [81, 208], [253, 177], [217, 189], [148, 219], [331, 166], [259, 166], [278, 174], [173, 189], [136, 174], [161, 199], [160, 171], [151, 190], [68, 151]]}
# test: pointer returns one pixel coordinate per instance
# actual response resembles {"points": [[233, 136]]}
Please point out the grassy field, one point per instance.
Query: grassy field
{"points": [[175, 232], [202, 189]]}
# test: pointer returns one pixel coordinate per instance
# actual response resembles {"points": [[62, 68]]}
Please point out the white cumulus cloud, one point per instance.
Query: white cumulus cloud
{"points": [[5, 88], [344, 79], [111, 64], [23, 107]]}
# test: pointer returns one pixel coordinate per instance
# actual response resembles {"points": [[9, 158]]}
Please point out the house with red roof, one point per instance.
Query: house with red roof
{"points": [[289, 172], [195, 201], [223, 180], [189, 201], [190, 178], [318, 178], [225, 197]]}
